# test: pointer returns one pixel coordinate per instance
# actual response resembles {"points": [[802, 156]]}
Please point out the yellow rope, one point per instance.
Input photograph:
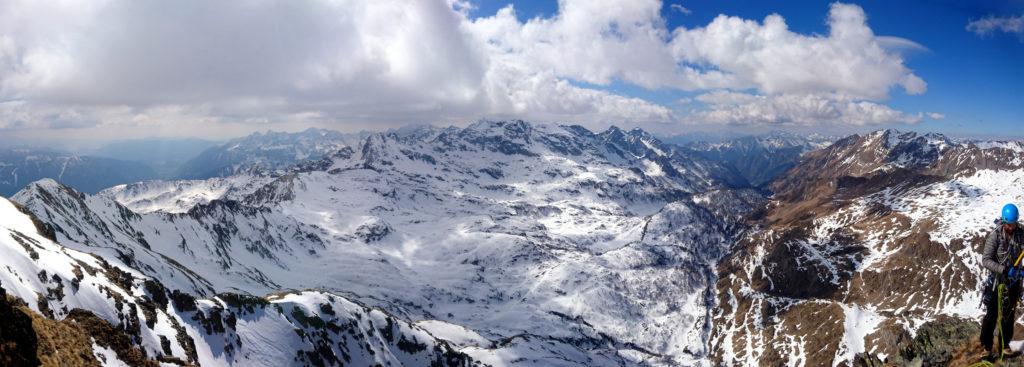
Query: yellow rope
{"points": [[1000, 289], [999, 317]]}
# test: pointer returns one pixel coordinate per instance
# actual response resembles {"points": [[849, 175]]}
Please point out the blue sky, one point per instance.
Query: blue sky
{"points": [[977, 82], [122, 69]]}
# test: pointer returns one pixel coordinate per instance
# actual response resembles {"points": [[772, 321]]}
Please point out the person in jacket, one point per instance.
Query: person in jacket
{"points": [[1003, 248]]}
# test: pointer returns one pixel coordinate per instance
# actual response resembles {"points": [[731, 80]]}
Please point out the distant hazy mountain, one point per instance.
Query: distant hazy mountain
{"points": [[759, 158], [163, 155], [18, 167], [265, 152], [702, 136]]}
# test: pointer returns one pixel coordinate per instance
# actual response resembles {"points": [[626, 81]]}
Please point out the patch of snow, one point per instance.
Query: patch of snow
{"points": [[858, 323], [106, 356], [652, 169], [456, 334]]}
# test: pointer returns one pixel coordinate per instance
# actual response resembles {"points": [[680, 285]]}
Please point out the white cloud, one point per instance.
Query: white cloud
{"points": [[936, 116], [768, 56], [681, 9], [351, 61], [141, 53], [900, 45], [128, 63], [592, 41], [987, 26], [795, 109]]}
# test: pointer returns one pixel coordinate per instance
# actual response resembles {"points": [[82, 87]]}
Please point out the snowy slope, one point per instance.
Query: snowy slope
{"points": [[556, 244], [180, 196], [301, 328]]}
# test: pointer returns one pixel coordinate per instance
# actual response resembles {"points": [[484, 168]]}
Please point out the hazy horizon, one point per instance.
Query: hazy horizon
{"points": [[90, 147]]}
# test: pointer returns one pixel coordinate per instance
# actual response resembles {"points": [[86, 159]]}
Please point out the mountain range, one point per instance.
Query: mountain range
{"points": [[759, 159], [19, 167], [510, 243], [264, 153], [131, 161]]}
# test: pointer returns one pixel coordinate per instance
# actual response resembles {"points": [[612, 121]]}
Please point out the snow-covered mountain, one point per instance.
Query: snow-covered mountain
{"points": [[865, 242], [759, 159], [517, 243], [265, 153], [111, 314], [507, 243], [19, 167]]}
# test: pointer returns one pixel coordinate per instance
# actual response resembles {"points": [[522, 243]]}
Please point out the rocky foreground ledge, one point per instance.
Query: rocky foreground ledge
{"points": [[947, 341]]}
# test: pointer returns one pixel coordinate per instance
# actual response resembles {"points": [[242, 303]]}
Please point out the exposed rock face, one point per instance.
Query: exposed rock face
{"points": [[946, 341], [18, 341], [864, 242]]}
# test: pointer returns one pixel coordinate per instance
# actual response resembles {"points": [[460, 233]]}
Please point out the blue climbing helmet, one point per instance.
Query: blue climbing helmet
{"points": [[1010, 213]]}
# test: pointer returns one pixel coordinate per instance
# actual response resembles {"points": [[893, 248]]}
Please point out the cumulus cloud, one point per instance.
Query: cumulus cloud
{"points": [[850, 60], [141, 63], [595, 42], [936, 116], [992, 24], [142, 53]]}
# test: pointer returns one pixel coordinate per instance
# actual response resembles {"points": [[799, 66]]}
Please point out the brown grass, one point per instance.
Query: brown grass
{"points": [[56, 343], [29, 339]]}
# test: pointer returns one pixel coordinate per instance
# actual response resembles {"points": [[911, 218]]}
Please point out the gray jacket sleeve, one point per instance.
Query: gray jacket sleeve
{"points": [[988, 255]]}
